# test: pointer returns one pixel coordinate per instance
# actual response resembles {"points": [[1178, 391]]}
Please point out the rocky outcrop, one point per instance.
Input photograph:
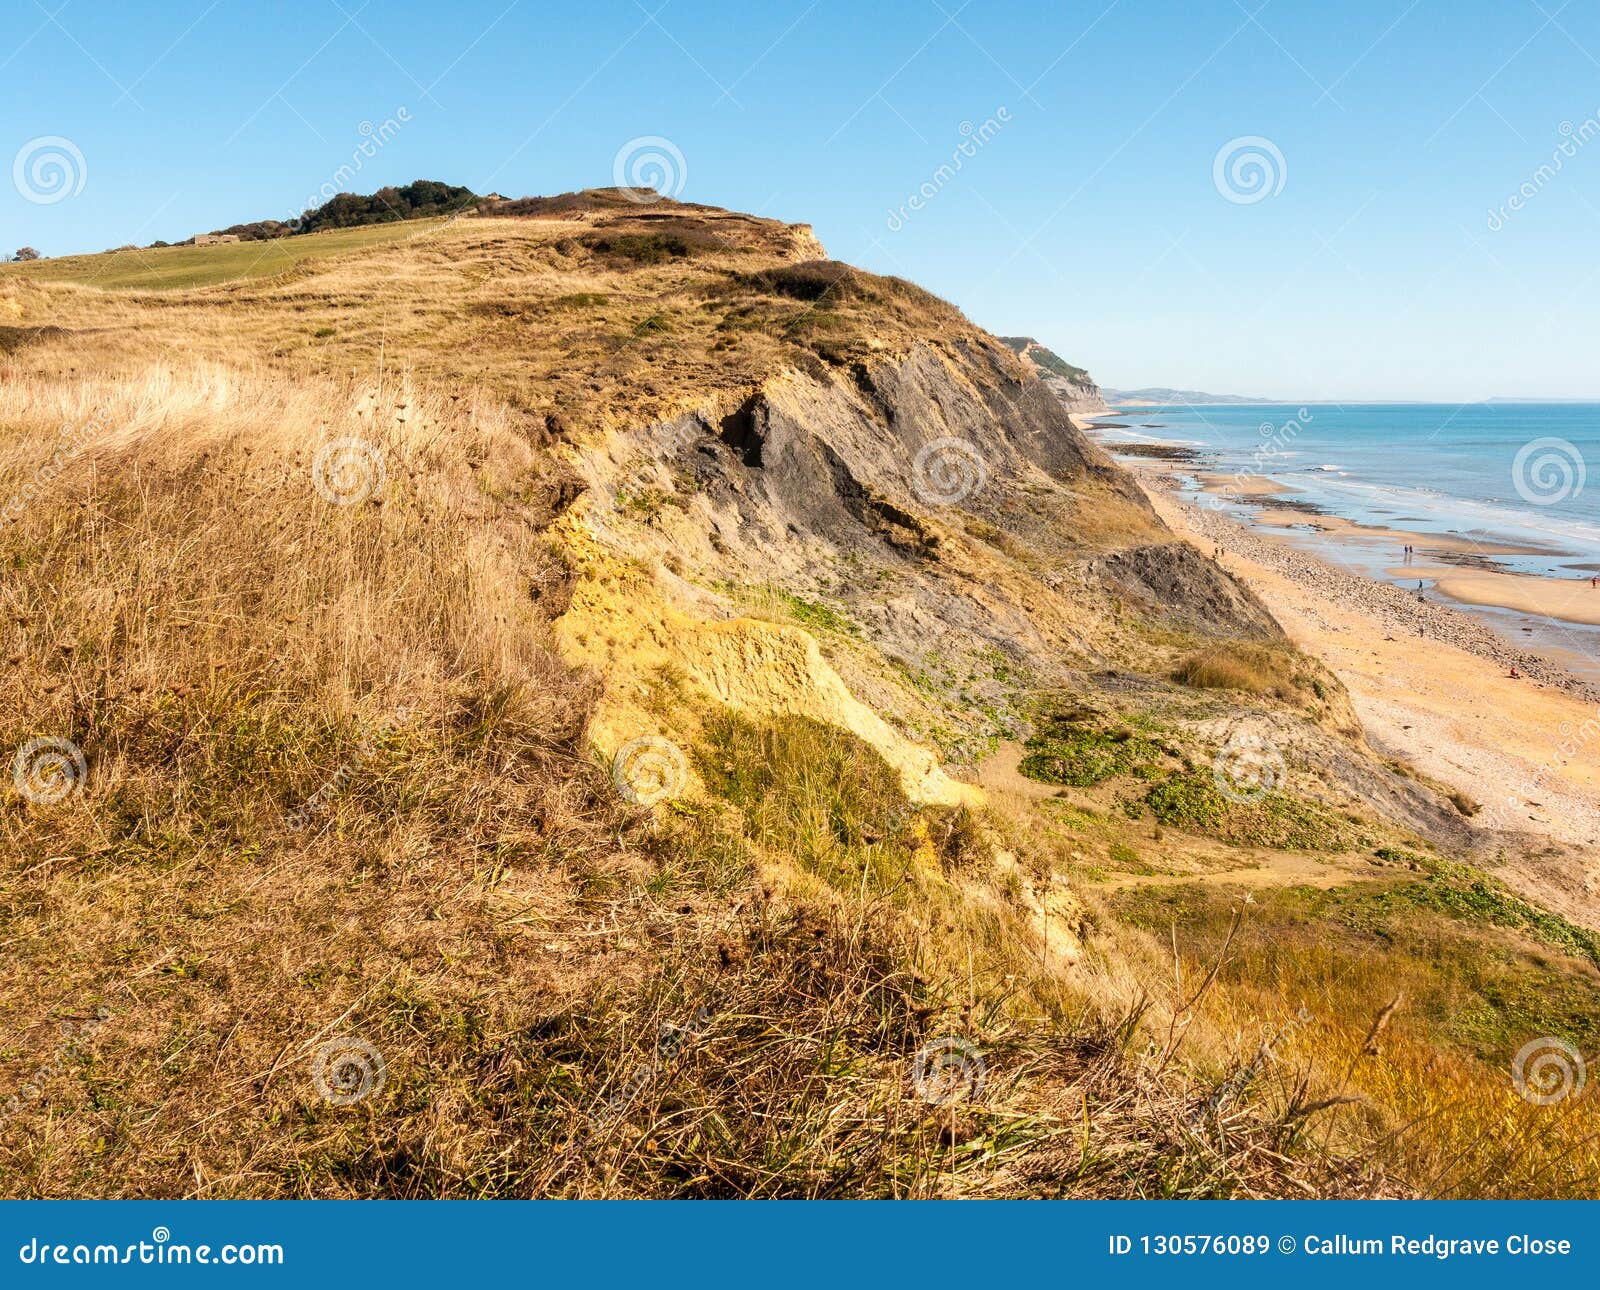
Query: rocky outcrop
{"points": [[1173, 582], [1070, 384]]}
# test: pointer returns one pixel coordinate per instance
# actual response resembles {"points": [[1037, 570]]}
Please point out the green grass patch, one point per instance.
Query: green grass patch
{"points": [[817, 616], [170, 268], [1192, 802], [826, 799], [1069, 751], [1467, 979], [1461, 893]]}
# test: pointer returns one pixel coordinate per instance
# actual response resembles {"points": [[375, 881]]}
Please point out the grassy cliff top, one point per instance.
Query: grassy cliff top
{"points": [[578, 309]]}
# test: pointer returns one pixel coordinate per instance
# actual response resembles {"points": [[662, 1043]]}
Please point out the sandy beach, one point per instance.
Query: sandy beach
{"points": [[1432, 685], [1460, 567], [1574, 600]]}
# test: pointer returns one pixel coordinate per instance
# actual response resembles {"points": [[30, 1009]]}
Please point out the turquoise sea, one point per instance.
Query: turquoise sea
{"points": [[1499, 473]]}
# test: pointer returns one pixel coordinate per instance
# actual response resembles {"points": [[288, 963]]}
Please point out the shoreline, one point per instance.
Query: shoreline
{"points": [[1444, 702], [1462, 569]]}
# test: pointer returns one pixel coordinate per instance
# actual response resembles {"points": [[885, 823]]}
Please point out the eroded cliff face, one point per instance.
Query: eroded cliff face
{"points": [[935, 521]]}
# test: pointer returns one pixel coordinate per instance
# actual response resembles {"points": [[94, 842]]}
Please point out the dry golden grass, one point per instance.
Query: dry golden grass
{"points": [[1255, 669], [1414, 1019], [339, 787], [578, 321]]}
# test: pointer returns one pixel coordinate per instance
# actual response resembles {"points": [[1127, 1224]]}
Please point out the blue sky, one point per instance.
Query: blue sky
{"points": [[1091, 215]]}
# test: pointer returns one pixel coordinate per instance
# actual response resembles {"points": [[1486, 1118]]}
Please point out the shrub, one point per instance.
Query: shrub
{"points": [[1256, 669]]}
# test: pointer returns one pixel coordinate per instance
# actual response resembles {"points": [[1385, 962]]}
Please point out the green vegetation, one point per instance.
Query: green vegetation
{"points": [[640, 248], [1476, 980], [1462, 893], [1191, 801], [814, 792], [177, 267], [420, 199], [817, 616], [1048, 359], [1066, 752]]}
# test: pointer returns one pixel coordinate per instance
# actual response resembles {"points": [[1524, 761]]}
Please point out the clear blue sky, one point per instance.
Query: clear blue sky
{"points": [[1090, 218]]}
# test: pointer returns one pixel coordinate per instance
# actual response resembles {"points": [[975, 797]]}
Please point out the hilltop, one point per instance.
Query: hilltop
{"points": [[594, 697], [1162, 396]]}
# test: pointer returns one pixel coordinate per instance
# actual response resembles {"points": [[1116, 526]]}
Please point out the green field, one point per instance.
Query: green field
{"points": [[180, 267]]}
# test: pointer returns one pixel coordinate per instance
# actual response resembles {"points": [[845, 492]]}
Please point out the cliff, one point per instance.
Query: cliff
{"points": [[1072, 385], [596, 637]]}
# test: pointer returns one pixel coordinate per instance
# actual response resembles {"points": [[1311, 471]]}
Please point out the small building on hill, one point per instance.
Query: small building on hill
{"points": [[213, 239]]}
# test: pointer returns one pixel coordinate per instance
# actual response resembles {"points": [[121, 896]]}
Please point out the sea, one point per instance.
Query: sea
{"points": [[1499, 474]]}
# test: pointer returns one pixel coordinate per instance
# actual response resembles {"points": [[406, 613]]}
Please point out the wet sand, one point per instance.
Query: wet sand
{"points": [[1569, 599], [1460, 567]]}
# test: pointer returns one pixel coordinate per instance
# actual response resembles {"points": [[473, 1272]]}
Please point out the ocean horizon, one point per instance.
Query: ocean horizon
{"points": [[1505, 474]]}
